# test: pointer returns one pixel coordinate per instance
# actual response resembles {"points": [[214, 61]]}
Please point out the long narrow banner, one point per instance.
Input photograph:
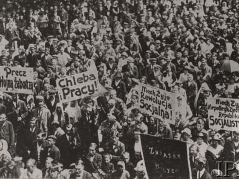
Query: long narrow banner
{"points": [[77, 86], [16, 80], [157, 103], [165, 158], [223, 113]]}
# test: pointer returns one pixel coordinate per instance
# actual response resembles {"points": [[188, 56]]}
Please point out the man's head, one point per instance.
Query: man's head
{"points": [[125, 156], [48, 162], [51, 140], [200, 163], [33, 122], [92, 149], [236, 136], [79, 167], [31, 165], [114, 136], [120, 167]]}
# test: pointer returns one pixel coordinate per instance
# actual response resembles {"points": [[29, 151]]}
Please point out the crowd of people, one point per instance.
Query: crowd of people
{"points": [[175, 45]]}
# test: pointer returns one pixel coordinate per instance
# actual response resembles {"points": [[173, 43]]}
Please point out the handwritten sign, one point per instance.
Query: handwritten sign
{"points": [[157, 103], [78, 86], [223, 113], [165, 158], [16, 80]]}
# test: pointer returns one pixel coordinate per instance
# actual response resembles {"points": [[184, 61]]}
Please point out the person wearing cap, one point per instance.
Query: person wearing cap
{"points": [[231, 148], [114, 146], [120, 172], [119, 86], [202, 146], [111, 66], [11, 170], [200, 172], [21, 57], [32, 56], [122, 61], [149, 70], [131, 68], [93, 160], [68, 145], [31, 170], [214, 152], [69, 49], [186, 136], [42, 113], [191, 89], [109, 51], [55, 22], [51, 150], [79, 172]]}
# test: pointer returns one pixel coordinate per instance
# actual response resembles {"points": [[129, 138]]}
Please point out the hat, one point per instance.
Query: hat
{"points": [[124, 54], [69, 127], [50, 37], [236, 133], [108, 87], [215, 137], [200, 134], [108, 42], [152, 59], [187, 131], [135, 80], [87, 100], [201, 160], [41, 50], [55, 39], [40, 98], [82, 35], [54, 56], [130, 60], [178, 82], [121, 163], [50, 67], [31, 46], [51, 137], [52, 92], [187, 68], [118, 75]]}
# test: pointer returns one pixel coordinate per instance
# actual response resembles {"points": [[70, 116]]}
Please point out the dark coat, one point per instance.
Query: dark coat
{"points": [[7, 133], [120, 90], [206, 175], [86, 175], [93, 166], [54, 153]]}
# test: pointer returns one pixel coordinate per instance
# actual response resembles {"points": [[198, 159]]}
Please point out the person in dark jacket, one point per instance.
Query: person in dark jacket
{"points": [[80, 172], [119, 86]]}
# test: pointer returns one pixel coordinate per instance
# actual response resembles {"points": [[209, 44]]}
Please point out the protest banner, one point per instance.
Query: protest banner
{"points": [[157, 103], [77, 86], [223, 113], [16, 80], [165, 158]]}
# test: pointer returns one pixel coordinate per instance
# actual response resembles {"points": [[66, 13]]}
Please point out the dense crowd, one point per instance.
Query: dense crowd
{"points": [[174, 45]]}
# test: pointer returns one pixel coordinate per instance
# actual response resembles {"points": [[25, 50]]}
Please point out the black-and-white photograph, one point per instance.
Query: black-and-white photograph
{"points": [[119, 89]]}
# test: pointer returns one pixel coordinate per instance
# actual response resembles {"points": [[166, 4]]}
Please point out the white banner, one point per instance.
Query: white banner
{"points": [[157, 103], [16, 80], [77, 86], [223, 113]]}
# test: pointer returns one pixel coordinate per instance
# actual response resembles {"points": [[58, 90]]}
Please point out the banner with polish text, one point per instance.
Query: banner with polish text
{"points": [[223, 113], [157, 103], [16, 80], [165, 158], [78, 86]]}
